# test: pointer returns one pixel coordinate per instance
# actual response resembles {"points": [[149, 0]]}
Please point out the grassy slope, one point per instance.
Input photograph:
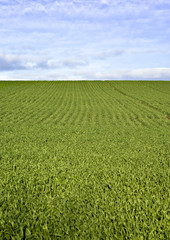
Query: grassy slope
{"points": [[84, 160]]}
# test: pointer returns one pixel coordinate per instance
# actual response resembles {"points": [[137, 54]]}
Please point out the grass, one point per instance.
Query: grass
{"points": [[84, 160]]}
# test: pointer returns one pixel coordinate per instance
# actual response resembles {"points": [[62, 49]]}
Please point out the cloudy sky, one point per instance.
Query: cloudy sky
{"points": [[84, 39]]}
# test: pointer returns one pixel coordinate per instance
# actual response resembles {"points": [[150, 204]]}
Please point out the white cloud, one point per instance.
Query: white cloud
{"points": [[73, 63], [125, 74], [108, 54], [122, 74], [9, 63], [13, 63]]}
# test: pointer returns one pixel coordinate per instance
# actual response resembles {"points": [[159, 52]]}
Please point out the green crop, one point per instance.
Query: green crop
{"points": [[84, 160]]}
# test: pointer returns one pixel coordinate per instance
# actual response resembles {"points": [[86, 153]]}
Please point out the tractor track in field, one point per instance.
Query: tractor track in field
{"points": [[138, 100]]}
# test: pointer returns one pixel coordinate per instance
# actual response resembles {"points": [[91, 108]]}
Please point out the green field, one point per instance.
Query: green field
{"points": [[84, 160]]}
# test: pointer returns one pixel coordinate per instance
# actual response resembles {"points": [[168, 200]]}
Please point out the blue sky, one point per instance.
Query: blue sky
{"points": [[90, 39]]}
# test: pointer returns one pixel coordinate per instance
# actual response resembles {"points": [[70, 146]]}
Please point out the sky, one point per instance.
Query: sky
{"points": [[85, 40]]}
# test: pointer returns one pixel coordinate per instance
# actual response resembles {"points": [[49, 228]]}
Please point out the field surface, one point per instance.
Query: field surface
{"points": [[84, 160]]}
